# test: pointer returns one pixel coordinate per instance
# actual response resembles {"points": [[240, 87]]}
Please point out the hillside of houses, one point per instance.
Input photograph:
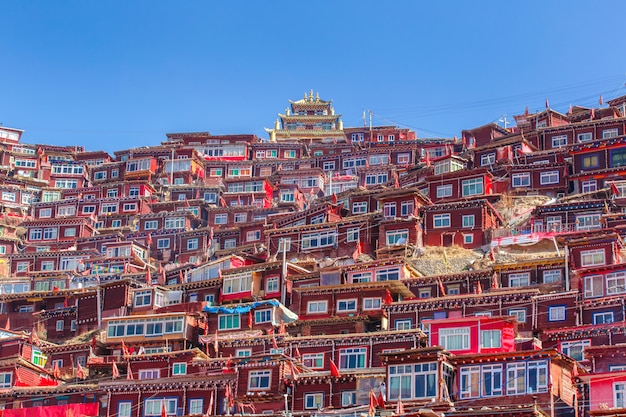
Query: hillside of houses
{"points": [[322, 270]]}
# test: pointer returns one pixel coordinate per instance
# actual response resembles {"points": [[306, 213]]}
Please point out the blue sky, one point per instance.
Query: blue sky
{"points": [[118, 74]]}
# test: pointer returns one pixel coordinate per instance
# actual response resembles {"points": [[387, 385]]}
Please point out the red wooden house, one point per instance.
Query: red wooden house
{"points": [[106, 172], [468, 223], [93, 158], [581, 131], [57, 233], [171, 384], [400, 225], [460, 184], [549, 273], [139, 168], [379, 135], [544, 378], [483, 135], [354, 307], [606, 380], [310, 181], [334, 239], [358, 368], [472, 335], [128, 188], [599, 163], [550, 179], [588, 249]]}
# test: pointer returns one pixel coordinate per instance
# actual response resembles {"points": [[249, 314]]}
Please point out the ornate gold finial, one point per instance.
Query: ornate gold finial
{"points": [[317, 96], [287, 111], [305, 96], [311, 95]]}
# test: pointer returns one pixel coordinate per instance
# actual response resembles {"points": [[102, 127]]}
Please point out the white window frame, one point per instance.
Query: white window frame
{"points": [[313, 360], [491, 339], [615, 283], [469, 221], [472, 186], [594, 257], [359, 207], [260, 380], [558, 141], [313, 400], [520, 179], [441, 221], [488, 159], [610, 133], [372, 303], [521, 279], [447, 335], [518, 313], [317, 307], [353, 358], [549, 177], [444, 191], [229, 322], [557, 313], [347, 305]]}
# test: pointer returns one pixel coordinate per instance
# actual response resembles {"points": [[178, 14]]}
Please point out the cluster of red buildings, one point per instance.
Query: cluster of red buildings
{"points": [[214, 275]]}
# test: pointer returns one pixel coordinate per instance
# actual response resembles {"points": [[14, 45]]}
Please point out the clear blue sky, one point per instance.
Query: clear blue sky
{"points": [[118, 74]]}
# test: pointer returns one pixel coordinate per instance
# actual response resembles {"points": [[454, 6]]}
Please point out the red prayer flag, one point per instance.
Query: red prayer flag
{"points": [[297, 353], [334, 371], [125, 351], [216, 345], [442, 289], [494, 281], [56, 372], [209, 410], [357, 252], [388, 297], [601, 100], [149, 239], [294, 371], [399, 406], [80, 372], [163, 410], [129, 373], [373, 403], [615, 190], [381, 399], [479, 288], [116, 372], [334, 198], [250, 319], [35, 337]]}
